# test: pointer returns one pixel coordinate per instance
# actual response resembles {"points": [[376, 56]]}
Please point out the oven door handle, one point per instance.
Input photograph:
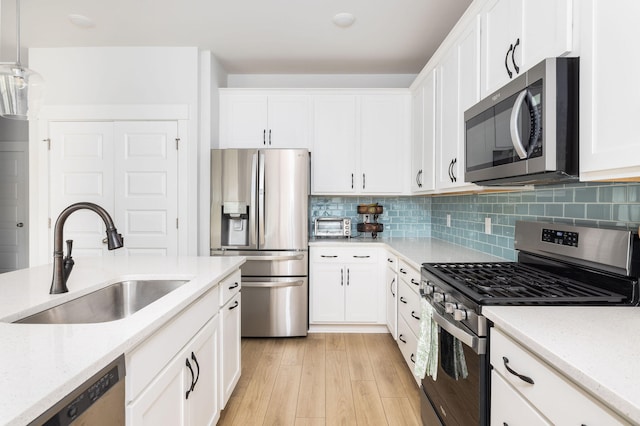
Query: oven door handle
{"points": [[478, 345]]}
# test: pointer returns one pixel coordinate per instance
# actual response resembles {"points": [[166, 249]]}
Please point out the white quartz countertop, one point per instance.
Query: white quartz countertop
{"points": [[40, 364], [598, 348], [417, 251]]}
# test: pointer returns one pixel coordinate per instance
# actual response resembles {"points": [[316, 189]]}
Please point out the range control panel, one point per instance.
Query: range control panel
{"points": [[563, 238]]}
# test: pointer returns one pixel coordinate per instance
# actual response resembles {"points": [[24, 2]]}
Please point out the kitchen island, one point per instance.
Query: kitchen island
{"points": [[41, 363]]}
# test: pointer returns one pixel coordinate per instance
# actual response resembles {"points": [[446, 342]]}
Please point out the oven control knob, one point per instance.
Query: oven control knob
{"points": [[460, 314], [427, 288], [438, 297], [450, 307]]}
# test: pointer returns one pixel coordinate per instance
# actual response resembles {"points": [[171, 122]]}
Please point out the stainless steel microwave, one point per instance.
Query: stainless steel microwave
{"points": [[526, 132]]}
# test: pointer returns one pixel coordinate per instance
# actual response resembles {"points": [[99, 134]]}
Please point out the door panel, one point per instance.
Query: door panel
{"points": [[13, 207], [81, 169], [146, 192]]}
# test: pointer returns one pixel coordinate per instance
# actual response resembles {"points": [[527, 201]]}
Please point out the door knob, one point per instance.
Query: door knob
{"points": [[20, 224]]}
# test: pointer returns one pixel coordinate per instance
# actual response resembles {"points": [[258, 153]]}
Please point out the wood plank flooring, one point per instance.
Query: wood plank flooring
{"points": [[323, 379]]}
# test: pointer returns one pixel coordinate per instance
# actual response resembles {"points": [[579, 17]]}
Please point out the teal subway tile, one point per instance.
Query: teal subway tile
{"points": [[613, 194], [536, 209], [562, 195], [574, 210], [599, 211], [554, 210], [522, 209], [508, 209], [586, 195], [544, 196]]}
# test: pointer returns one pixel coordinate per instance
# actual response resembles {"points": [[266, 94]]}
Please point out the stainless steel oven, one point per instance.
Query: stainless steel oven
{"points": [[558, 264]]}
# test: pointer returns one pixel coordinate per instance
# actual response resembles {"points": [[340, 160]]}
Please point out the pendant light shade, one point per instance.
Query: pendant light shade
{"points": [[20, 87]]}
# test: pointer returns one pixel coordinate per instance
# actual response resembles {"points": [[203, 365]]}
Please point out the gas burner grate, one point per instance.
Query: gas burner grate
{"points": [[510, 282]]}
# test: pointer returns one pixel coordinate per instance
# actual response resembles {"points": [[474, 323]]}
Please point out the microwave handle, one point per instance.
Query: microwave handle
{"points": [[516, 139]]}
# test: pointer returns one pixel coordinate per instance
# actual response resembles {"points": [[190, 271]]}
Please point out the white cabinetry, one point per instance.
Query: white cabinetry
{"points": [[423, 135], [548, 396], [172, 377], [391, 281], [360, 143], [408, 312], [517, 34], [609, 148], [345, 286], [263, 119], [458, 89], [230, 365]]}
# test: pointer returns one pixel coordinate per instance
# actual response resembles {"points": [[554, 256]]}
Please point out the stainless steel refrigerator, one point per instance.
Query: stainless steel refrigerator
{"points": [[259, 205]]}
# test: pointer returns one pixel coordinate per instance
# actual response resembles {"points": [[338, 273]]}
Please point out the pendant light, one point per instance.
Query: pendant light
{"points": [[20, 87]]}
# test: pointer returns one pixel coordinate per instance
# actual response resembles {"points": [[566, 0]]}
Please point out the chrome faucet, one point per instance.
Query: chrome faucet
{"points": [[62, 266]]}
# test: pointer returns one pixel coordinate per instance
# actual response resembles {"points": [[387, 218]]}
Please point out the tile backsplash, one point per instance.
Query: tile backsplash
{"points": [[592, 204]]}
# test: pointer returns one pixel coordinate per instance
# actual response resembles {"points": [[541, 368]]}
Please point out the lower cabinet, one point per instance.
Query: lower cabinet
{"points": [[345, 286], [521, 379], [408, 313], [391, 290], [229, 347], [185, 392]]}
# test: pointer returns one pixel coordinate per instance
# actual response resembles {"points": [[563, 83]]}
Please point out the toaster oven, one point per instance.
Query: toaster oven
{"points": [[335, 227]]}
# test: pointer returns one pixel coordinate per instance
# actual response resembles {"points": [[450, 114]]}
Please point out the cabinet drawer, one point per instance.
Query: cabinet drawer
{"points": [[150, 357], [229, 287], [392, 261], [508, 407], [409, 306], [343, 255], [554, 396], [408, 344], [409, 274]]}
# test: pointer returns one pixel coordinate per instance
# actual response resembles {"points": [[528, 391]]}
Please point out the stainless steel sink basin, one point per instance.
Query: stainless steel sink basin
{"points": [[110, 303]]}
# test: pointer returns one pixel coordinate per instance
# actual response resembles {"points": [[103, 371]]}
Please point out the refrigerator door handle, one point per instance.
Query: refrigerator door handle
{"points": [[271, 284], [254, 209], [261, 205], [270, 258]]}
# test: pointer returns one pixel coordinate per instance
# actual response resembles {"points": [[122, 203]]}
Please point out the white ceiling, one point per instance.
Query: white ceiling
{"points": [[250, 36]]}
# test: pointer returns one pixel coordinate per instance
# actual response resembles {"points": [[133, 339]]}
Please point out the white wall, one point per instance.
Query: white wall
{"points": [[334, 81], [122, 83]]}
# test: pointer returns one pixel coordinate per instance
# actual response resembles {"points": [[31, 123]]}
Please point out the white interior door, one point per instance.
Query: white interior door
{"points": [[146, 187], [13, 206], [81, 169]]}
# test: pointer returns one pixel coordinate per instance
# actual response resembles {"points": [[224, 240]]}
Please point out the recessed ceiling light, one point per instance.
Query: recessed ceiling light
{"points": [[81, 21], [344, 19]]}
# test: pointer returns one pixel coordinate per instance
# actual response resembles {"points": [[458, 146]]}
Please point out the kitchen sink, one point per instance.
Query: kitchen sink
{"points": [[114, 302]]}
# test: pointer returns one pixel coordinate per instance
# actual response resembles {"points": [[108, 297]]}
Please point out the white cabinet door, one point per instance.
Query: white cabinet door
{"points": [[230, 348], [391, 291], [288, 117], [333, 158], [509, 407], [609, 147], [423, 139], [327, 292], [458, 89], [383, 144], [146, 187], [128, 168], [81, 162], [362, 301], [417, 136], [264, 119], [518, 34], [203, 408], [243, 120]]}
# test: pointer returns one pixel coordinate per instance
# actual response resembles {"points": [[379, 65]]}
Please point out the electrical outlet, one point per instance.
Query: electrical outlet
{"points": [[487, 225], [448, 220]]}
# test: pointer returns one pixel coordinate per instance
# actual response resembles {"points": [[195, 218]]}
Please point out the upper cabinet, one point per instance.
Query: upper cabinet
{"points": [[609, 148], [264, 119], [517, 34], [458, 89], [423, 135], [360, 143]]}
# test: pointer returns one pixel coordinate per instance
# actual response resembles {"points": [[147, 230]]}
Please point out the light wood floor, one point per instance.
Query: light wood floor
{"points": [[323, 379]]}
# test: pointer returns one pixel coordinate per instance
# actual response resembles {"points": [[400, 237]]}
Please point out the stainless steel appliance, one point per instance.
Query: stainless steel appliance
{"points": [[259, 205], [557, 264], [97, 402], [336, 227], [526, 132]]}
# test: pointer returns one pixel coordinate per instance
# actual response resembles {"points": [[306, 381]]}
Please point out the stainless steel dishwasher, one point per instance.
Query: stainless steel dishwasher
{"points": [[97, 402]]}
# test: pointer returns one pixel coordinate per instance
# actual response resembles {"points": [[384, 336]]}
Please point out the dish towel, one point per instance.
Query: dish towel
{"points": [[427, 353], [453, 361]]}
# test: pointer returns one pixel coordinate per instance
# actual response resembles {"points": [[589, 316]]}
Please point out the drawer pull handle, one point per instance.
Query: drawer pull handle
{"points": [[192, 377], [413, 314], [193, 357], [412, 358], [235, 285], [402, 299], [401, 339], [402, 271], [518, 375], [362, 257], [389, 260], [331, 257], [235, 305], [414, 282]]}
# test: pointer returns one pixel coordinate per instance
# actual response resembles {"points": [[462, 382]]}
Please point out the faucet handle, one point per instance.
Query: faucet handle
{"points": [[69, 248]]}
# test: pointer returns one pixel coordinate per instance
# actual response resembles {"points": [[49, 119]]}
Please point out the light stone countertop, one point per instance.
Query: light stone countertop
{"points": [[598, 348], [40, 364]]}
